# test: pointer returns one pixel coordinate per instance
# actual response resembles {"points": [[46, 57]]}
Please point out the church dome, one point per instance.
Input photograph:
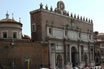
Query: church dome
{"points": [[7, 19], [10, 29]]}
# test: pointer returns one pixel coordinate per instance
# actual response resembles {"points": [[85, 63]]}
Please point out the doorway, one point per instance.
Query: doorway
{"points": [[74, 56]]}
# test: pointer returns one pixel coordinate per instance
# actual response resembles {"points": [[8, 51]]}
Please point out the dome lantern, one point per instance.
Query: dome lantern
{"points": [[7, 15]]}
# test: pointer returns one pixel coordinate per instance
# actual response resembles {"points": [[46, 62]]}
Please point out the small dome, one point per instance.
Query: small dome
{"points": [[7, 19], [10, 29]]}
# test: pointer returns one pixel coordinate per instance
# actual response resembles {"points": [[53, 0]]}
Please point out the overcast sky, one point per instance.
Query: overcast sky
{"points": [[93, 9]]}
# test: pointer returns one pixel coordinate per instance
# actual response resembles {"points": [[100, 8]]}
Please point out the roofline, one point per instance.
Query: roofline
{"points": [[12, 23], [52, 12]]}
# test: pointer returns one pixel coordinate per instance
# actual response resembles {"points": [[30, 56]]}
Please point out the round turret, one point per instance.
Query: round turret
{"points": [[10, 29]]}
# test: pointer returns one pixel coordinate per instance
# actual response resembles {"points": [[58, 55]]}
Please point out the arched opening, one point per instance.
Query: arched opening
{"points": [[97, 58], [59, 61], [74, 56]]}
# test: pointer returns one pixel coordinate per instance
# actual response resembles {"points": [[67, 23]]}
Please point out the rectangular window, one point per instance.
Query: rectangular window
{"points": [[33, 27], [4, 34], [50, 30], [14, 35]]}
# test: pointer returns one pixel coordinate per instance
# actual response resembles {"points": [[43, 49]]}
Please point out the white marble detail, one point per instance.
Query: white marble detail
{"points": [[72, 35], [59, 33]]}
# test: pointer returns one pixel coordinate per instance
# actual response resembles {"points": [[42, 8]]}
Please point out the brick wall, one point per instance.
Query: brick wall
{"points": [[36, 52], [36, 18]]}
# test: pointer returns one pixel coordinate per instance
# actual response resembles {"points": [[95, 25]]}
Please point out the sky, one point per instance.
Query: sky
{"points": [[91, 9]]}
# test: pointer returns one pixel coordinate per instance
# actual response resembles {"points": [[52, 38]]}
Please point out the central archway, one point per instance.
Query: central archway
{"points": [[74, 56]]}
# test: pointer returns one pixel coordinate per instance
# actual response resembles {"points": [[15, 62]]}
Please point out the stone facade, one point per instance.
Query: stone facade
{"points": [[58, 40], [99, 48], [70, 37]]}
